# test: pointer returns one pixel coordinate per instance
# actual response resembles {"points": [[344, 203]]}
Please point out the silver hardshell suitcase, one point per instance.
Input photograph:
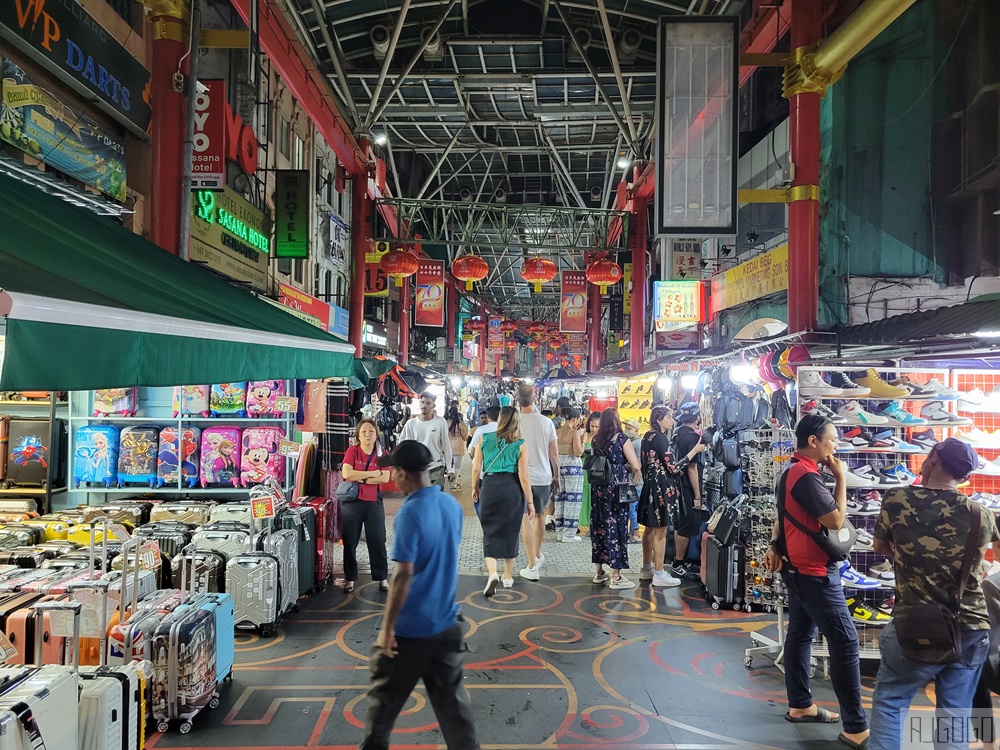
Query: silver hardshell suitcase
{"points": [[253, 580], [284, 545], [229, 543]]}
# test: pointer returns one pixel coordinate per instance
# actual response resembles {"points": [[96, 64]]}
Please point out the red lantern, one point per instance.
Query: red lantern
{"points": [[476, 325], [469, 268], [603, 273], [508, 326], [533, 345], [399, 264], [538, 271], [510, 344], [549, 355], [537, 328]]}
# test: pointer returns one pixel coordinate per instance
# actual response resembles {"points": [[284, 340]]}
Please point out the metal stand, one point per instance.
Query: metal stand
{"points": [[773, 647]]}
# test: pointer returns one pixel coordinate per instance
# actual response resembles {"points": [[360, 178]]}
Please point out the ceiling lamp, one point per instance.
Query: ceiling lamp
{"points": [[604, 273], [476, 325], [469, 268], [538, 271], [399, 264], [508, 326]]}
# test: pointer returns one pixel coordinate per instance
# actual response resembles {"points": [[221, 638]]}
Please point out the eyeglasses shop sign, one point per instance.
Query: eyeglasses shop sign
{"points": [[292, 208]]}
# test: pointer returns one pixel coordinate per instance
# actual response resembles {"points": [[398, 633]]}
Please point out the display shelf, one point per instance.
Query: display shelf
{"points": [[140, 490], [154, 421], [29, 490], [9, 402]]}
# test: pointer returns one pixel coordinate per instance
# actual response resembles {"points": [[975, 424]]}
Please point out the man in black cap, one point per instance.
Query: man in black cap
{"points": [[926, 529], [688, 525], [421, 636]]}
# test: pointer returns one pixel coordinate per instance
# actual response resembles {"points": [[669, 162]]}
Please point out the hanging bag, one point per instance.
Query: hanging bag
{"points": [[836, 543], [347, 491], [598, 468]]}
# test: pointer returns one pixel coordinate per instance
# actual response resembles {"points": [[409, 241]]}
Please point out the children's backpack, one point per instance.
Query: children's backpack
{"points": [[229, 400], [261, 395]]}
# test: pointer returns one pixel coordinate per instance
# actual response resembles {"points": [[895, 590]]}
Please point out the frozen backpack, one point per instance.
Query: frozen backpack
{"points": [[137, 455], [260, 459], [95, 459], [261, 395], [178, 453], [229, 400], [116, 401], [192, 400], [220, 455]]}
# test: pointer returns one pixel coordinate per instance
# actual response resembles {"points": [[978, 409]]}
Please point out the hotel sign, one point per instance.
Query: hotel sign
{"points": [[230, 236]]}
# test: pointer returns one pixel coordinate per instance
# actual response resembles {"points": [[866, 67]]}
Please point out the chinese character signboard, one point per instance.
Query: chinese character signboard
{"points": [[686, 259], [573, 304], [495, 335], [676, 302], [430, 294], [376, 280], [292, 208], [758, 277]]}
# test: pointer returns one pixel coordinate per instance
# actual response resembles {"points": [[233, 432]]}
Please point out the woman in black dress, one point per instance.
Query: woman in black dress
{"points": [[608, 516], [659, 502]]}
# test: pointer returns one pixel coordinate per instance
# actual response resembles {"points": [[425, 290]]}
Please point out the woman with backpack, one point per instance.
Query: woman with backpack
{"points": [[610, 496]]}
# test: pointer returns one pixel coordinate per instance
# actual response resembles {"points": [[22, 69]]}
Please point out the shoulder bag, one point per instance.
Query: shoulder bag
{"points": [[930, 633], [836, 543], [347, 491]]}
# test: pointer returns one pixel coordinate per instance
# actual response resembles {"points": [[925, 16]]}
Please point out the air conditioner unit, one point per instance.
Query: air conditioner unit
{"points": [[583, 38], [379, 36], [434, 50]]}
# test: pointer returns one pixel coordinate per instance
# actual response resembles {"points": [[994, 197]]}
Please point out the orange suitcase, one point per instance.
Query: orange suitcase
{"points": [[20, 631]]}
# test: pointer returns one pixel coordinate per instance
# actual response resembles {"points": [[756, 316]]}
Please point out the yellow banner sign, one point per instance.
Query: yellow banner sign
{"points": [[766, 274]]}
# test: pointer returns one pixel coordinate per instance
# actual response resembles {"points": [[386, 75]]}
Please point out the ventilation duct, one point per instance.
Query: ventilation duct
{"points": [[583, 40], [500, 196], [465, 194], [434, 50], [379, 35], [628, 46]]}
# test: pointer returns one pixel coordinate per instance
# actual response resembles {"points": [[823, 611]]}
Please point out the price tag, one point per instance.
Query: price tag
{"points": [[7, 649], [149, 556], [61, 623], [262, 507], [289, 448], [286, 404], [90, 614]]}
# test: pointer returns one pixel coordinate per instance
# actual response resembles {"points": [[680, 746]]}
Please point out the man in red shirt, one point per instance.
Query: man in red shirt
{"points": [[815, 597]]}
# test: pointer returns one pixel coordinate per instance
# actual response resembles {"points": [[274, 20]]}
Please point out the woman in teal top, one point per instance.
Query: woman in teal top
{"points": [[502, 463]]}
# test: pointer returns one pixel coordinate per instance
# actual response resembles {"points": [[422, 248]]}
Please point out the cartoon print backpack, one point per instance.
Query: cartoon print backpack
{"points": [[220, 455], [95, 459], [229, 400], [137, 455], [116, 401], [260, 459], [261, 395], [178, 451], [192, 400]]}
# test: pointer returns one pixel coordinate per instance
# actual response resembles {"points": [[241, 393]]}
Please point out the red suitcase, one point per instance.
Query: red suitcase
{"points": [[326, 534], [4, 431]]}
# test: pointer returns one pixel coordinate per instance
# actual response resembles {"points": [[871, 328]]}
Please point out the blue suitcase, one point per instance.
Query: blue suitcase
{"points": [[137, 455], [221, 606], [95, 455]]}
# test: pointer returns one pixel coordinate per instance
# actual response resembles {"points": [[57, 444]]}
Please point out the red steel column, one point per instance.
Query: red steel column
{"points": [[484, 337], [171, 26], [450, 320], [361, 231], [803, 215], [637, 334], [512, 360], [404, 322], [594, 326]]}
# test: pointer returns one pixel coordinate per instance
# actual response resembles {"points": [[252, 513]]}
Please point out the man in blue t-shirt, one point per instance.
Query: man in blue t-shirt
{"points": [[421, 638]]}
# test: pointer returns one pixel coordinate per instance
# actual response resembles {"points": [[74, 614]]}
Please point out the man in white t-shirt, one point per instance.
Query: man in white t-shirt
{"points": [[432, 431], [543, 474], [492, 414]]}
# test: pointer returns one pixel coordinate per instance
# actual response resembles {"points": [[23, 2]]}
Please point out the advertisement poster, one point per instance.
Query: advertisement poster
{"points": [[33, 120], [430, 294], [292, 208], [296, 299], [208, 161], [376, 280], [496, 334], [230, 236], [573, 304], [676, 302], [337, 241]]}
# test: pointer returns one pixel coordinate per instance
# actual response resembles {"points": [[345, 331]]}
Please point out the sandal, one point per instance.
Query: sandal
{"points": [[863, 745], [348, 587], [822, 716]]}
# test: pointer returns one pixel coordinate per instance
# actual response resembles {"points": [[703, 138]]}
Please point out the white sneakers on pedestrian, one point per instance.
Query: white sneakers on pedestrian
{"points": [[646, 573], [530, 574], [621, 582], [570, 536], [508, 583], [491, 585], [661, 579], [601, 577]]}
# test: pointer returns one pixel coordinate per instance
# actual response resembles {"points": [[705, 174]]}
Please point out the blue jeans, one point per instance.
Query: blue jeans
{"points": [[898, 681], [633, 517], [816, 603]]}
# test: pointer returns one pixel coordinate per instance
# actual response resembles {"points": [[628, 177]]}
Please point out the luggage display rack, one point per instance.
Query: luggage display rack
{"points": [[51, 407], [155, 408]]}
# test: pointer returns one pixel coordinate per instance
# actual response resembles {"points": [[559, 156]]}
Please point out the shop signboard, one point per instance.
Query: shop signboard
{"points": [[33, 120], [430, 294], [230, 236], [616, 308], [758, 277], [627, 288], [298, 300], [470, 349], [374, 335], [337, 242], [208, 162], [62, 37], [339, 319], [573, 305], [685, 259], [292, 208], [495, 341], [676, 340], [676, 302], [376, 280]]}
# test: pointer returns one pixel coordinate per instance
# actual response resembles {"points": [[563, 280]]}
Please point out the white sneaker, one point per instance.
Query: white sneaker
{"points": [[491, 585], [811, 383], [943, 392], [662, 580], [621, 583], [936, 413], [854, 480], [508, 583], [570, 536], [646, 573], [539, 561], [972, 401], [857, 414], [530, 574], [601, 577], [988, 468]]}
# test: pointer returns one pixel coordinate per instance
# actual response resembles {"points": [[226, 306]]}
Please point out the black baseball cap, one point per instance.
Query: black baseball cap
{"points": [[409, 455]]}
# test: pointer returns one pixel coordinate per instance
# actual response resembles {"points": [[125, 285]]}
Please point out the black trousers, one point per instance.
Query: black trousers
{"points": [[371, 516], [438, 661]]}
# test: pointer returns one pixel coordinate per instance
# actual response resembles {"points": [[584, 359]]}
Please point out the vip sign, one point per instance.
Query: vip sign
{"points": [[292, 208], [208, 164]]}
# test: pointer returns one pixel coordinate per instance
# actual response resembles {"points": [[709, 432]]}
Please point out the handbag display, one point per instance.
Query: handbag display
{"points": [[836, 543], [930, 633], [347, 491]]}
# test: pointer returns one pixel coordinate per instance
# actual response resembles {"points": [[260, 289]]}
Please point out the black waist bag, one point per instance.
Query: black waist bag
{"points": [[835, 543]]}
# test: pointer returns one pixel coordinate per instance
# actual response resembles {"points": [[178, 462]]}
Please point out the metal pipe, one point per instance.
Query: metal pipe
{"points": [[440, 163], [397, 30], [334, 58], [613, 53], [637, 327], [184, 235], [561, 170], [454, 175], [854, 34]]}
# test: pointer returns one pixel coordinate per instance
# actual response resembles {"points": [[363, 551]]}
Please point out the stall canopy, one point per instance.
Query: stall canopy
{"points": [[89, 304]]}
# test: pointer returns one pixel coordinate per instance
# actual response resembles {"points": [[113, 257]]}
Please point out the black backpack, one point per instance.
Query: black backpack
{"points": [[598, 468]]}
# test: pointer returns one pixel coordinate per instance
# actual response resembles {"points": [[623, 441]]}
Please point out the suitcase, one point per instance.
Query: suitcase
{"points": [[44, 584], [178, 457], [95, 455], [123, 402], [33, 713], [85, 532], [193, 514], [148, 583], [4, 444], [12, 582], [59, 547], [18, 505], [119, 562], [11, 603], [221, 607], [132, 640], [209, 569], [16, 518], [20, 631], [228, 400], [132, 513], [34, 445], [73, 517], [112, 708], [260, 460], [52, 530], [253, 580], [184, 667], [302, 522], [23, 557], [237, 512], [220, 463], [137, 455], [226, 542], [161, 600], [25, 535], [261, 395], [172, 537], [724, 570], [284, 545], [192, 401], [325, 538]]}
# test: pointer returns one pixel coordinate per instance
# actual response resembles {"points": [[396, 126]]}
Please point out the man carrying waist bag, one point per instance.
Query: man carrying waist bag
{"points": [[940, 630], [815, 597]]}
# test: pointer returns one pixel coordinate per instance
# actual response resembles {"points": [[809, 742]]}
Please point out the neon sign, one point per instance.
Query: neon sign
{"points": [[207, 211]]}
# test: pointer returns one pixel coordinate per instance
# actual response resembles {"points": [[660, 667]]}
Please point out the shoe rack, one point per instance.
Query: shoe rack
{"points": [[987, 422]]}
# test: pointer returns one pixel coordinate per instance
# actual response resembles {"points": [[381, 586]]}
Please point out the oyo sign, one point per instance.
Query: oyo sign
{"points": [[220, 133], [241, 142]]}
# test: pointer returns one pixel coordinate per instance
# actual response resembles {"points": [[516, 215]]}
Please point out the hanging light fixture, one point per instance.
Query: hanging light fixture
{"points": [[469, 268], [399, 264], [538, 271], [604, 273]]}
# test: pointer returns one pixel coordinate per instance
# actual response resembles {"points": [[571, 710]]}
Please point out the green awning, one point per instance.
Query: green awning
{"points": [[89, 304]]}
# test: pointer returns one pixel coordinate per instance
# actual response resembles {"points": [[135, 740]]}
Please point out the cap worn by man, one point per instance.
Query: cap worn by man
{"points": [[959, 458], [409, 455]]}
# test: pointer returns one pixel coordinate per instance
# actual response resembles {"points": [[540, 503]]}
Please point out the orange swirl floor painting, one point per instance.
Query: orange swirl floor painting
{"points": [[556, 665]]}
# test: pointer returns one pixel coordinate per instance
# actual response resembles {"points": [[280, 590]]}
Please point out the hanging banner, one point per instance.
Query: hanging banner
{"points": [[676, 302], [36, 122], [495, 334], [296, 299], [758, 277], [292, 208], [616, 307], [208, 161], [429, 306], [627, 288], [376, 280], [573, 305]]}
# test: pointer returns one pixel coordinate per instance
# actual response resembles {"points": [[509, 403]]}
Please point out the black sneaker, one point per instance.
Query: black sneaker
{"points": [[849, 387]]}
